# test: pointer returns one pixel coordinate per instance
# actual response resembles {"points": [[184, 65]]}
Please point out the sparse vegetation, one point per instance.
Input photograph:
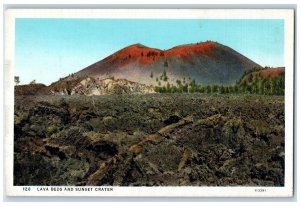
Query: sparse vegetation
{"points": [[152, 53], [248, 84]]}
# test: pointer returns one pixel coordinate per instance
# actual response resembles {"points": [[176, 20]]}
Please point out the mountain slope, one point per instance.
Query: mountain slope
{"points": [[206, 63], [268, 81], [264, 74]]}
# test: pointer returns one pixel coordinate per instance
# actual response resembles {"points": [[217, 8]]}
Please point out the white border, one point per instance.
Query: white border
{"points": [[286, 14]]}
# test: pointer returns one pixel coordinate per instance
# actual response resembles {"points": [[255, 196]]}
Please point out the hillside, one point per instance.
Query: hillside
{"points": [[262, 73], [264, 81], [267, 81], [207, 63], [29, 89]]}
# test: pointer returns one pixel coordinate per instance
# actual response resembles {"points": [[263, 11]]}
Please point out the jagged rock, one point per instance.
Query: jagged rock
{"points": [[149, 140], [93, 86]]}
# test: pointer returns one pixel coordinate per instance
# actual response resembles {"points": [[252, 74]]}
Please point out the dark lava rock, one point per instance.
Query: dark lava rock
{"points": [[149, 140], [172, 119]]}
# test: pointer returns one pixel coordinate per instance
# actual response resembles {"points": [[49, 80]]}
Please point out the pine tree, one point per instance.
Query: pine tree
{"points": [[17, 80], [151, 74], [166, 64], [221, 89], [208, 89], [215, 88], [185, 88], [32, 82], [168, 88]]}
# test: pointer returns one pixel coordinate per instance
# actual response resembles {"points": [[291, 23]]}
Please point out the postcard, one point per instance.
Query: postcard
{"points": [[149, 102]]}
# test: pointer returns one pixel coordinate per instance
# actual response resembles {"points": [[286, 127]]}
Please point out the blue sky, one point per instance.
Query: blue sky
{"points": [[47, 49]]}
